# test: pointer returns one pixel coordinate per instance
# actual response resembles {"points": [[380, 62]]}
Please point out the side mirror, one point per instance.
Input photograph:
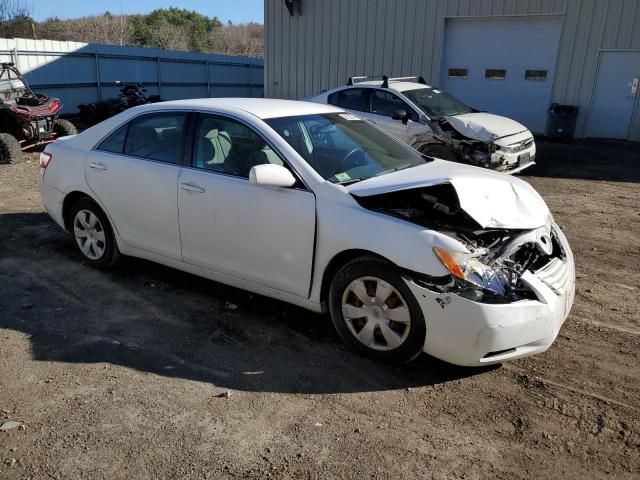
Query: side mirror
{"points": [[271, 175], [400, 115]]}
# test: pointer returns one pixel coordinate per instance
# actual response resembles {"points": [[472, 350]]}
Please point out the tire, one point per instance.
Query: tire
{"points": [[93, 234], [407, 331], [64, 128], [437, 150], [10, 149]]}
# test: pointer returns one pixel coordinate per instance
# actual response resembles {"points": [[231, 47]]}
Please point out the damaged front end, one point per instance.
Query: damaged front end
{"points": [[511, 149], [494, 261]]}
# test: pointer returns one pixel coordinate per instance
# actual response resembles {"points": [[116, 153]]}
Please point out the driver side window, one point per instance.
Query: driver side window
{"points": [[227, 146], [385, 103]]}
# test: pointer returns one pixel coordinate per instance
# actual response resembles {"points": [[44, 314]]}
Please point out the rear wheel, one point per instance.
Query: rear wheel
{"points": [[64, 128], [93, 234], [438, 150], [374, 311], [10, 150]]}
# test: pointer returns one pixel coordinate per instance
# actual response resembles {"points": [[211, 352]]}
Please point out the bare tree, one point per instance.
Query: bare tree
{"points": [[170, 37], [238, 40], [11, 9]]}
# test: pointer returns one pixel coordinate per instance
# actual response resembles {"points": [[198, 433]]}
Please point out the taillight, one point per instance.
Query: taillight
{"points": [[55, 105], [45, 160]]}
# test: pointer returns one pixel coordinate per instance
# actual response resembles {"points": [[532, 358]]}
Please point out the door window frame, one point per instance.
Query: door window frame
{"points": [[413, 115], [368, 91], [181, 148], [189, 149]]}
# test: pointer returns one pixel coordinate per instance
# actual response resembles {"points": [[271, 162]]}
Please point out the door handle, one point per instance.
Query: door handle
{"points": [[189, 187], [634, 87], [98, 166]]}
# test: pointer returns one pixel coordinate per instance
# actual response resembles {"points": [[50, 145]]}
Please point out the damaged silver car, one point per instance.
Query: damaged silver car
{"points": [[437, 124]]}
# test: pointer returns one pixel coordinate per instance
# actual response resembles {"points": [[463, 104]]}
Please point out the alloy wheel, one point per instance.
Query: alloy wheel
{"points": [[376, 313], [89, 234]]}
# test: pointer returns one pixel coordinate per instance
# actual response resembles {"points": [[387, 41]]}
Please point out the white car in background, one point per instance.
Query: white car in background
{"points": [[312, 205], [435, 123]]}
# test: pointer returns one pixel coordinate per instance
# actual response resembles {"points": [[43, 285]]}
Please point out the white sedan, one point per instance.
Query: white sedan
{"points": [[312, 205]]}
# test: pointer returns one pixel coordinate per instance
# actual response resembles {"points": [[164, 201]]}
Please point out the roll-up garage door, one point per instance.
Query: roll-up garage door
{"points": [[504, 65]]}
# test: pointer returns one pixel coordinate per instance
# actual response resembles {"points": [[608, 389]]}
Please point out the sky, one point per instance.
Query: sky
{"points": [[238, 11]]}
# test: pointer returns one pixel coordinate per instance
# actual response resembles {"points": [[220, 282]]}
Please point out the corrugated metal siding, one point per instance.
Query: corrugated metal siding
{"points": [[69, 70], [335, 39]]}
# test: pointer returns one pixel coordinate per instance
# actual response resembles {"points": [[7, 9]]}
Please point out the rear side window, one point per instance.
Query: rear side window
{"points": [[114, 143], [351, 99], [156, 137]]}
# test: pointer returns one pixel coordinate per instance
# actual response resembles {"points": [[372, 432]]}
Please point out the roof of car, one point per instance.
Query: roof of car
{"points": [[259, 107], [398, 86]]}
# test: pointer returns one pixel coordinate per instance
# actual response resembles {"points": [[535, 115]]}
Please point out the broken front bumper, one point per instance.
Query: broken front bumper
{"points": [[514, 157], [469, 333]]}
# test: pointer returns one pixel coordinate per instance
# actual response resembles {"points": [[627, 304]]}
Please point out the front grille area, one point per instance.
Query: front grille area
{"points": [[555, 274], [520, 146]]}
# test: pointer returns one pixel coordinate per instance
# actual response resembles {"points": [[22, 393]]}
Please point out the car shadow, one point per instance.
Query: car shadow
{"points": [[589, 159], [162, 321]]}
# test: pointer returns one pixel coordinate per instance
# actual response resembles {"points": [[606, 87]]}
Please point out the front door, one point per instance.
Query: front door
{"points": [[260, 234], [134, 175], [615, 96]]}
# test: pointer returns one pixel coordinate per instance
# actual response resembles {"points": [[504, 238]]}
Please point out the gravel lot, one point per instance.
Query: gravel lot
{"points": [[125, 374]]}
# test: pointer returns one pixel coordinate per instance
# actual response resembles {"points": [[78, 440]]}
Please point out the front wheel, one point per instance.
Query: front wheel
{"points": [[374, 311]]}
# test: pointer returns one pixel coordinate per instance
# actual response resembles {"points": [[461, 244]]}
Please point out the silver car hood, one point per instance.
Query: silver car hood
{"points": [[492, 199], [485, 127]]}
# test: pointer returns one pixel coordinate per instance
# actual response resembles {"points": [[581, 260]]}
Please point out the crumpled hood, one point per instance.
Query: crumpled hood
{"points": [[492, 199], [485, 127]]}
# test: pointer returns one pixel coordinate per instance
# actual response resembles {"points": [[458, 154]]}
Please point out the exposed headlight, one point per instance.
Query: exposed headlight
{"points": [[517, 147], [466, 267]]}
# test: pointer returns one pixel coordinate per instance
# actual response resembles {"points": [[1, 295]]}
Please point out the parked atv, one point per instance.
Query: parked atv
{"points": [[131, 95], [27, 119]]}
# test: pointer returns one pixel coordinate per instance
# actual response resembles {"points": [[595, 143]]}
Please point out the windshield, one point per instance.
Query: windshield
{"points": [[436, 103], [343, 148]]}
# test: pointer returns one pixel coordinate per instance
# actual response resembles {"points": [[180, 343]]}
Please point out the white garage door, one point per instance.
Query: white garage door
{"points": [[504, 65]]}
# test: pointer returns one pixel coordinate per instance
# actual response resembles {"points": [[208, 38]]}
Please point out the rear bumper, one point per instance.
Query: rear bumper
{"points": [[468, 333], [53, 200]]}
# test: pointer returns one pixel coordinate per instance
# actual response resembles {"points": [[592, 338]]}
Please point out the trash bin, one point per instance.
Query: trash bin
{"points": [[561, 121]]}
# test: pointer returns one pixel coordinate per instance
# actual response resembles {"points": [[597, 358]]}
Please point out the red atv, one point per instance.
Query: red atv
{"points": [[27, 119]]}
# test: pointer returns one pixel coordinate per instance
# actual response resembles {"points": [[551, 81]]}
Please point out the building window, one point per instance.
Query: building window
{"points": [[535, 75], [495, 74], [458, 73]]}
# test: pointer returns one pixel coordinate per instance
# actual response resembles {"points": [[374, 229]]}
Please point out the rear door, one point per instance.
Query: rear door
{"points": [[355, 100], [134, 174]]}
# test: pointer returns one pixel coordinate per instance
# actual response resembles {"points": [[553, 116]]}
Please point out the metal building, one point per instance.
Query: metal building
{"points": [[511, 57]]}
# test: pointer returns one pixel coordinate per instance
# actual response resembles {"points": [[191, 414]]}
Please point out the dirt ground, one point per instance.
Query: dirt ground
{"points": [[124, 374]]}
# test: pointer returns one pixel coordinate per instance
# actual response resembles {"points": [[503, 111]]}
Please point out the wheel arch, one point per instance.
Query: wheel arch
{"points": [[425, 143], [337, 262], [70, 200]]}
